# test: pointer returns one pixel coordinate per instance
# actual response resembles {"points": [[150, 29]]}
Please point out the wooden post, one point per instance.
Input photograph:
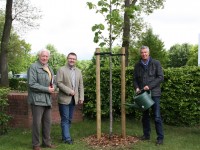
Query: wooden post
{"points": [[123, 82], [98, 100]]}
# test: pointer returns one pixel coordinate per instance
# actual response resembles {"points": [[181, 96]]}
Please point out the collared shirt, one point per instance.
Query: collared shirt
{"points": [[73, 76], [145, 64], [46, 68]]}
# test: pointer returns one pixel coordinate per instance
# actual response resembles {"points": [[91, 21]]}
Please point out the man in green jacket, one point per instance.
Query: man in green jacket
{"points": [[71, 92], [40, 86]]}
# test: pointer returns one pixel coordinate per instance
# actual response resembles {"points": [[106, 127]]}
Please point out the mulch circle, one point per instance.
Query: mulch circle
{"points": [[107, 143]]}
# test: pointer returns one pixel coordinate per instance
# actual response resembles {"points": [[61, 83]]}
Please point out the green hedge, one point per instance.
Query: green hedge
{"points": [[4, 117], [90, 92], [181, 96], [179, 101], [18, 84]]}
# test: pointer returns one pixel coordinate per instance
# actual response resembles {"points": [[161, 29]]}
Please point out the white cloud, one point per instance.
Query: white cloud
{"points": [[67, 25], [178, 22]]}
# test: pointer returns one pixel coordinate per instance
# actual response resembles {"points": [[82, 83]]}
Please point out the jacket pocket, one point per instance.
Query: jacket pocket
{"points": [[40, 98]]}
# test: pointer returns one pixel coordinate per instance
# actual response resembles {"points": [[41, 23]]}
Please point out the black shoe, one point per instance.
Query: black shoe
{"points": [[144, 138], [159, 142], [70, 142]]}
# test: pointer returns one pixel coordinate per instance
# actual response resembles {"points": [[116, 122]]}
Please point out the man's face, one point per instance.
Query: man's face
{"points": [[44, 57], [144, 54], [71, 60]]}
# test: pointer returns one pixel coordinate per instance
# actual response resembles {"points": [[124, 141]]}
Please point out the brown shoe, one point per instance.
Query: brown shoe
{"points": [[36, 148]]}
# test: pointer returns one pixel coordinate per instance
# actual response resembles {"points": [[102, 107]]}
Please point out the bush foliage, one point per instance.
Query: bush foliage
{"points": [[4, 117], [179, 101], [18, 84], [181, 96]]}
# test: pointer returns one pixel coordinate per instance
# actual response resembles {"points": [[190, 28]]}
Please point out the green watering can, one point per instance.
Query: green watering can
{"points": [[142, 101]]}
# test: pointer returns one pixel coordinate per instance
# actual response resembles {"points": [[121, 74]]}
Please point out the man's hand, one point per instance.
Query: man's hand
{"points": [[138, 90], [51, 89], [80, 101], [146, 88], [72, 93]]}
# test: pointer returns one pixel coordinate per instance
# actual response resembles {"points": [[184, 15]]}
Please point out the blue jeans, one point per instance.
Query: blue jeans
{"points": [[66, 114], [157, 120]]}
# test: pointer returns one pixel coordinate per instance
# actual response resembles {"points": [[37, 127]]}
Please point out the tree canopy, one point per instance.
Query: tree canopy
{"points": [[178, 55]]}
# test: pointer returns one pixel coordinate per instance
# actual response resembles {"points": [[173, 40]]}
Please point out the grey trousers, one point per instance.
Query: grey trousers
{"points": [[41, 118]]}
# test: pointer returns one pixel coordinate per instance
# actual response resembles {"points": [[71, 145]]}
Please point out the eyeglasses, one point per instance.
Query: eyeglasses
{"points": [[72, 58]]}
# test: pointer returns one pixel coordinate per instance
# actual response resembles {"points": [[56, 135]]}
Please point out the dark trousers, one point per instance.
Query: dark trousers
{"points": [[157, 120], [41, 118]]}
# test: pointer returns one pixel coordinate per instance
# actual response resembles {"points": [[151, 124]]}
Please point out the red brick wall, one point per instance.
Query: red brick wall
{"points": [[21, 112]]}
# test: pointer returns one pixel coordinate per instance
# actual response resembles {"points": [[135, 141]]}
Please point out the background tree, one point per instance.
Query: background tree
{"points": [[2, 19], [4, 45], [155, 45], [24, 14], [133, 22], [193, 56], [56, 59], [178, 55], [84, 65], [18, 51]]}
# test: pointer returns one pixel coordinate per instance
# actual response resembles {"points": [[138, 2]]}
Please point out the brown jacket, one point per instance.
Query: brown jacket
{"points": [[64, 84]]}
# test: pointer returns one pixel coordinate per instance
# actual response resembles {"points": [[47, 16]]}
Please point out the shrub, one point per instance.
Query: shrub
{"points": [[181, 94], [90, 92], [4, 118], [179, 101], [18, 84]]}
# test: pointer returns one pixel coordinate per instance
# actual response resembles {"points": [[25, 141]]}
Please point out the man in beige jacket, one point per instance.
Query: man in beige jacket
{"points": [[71, 92]]}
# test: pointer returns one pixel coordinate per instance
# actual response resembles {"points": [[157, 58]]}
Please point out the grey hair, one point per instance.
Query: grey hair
{"points": [[43, 50], [144, 47]]}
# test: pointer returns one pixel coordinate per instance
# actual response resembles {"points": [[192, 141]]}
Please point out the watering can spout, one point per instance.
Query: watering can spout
{"points": [[134, 105], [142, 101]]}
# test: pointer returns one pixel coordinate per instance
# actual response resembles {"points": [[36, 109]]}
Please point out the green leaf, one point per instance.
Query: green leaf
{"points": [[101, 27], [102, 44], [96, 39], [95, 27], [90, 5]]}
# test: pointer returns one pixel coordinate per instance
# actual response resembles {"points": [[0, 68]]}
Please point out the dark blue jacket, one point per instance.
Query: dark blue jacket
{"points": [[152, 76]]}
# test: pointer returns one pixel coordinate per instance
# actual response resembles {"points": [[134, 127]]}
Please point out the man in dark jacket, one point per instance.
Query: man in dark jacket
{"points": [[148, 75]]}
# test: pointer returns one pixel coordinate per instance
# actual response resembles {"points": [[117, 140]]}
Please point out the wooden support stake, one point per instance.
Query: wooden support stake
{"points": [[123, 83], [98, 100]]}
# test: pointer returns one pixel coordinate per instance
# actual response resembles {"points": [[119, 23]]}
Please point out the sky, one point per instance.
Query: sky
{"points": [[67, 25]]}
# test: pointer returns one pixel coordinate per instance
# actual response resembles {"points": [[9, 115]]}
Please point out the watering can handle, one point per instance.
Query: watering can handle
{"points": [[142, 91], [148, 91]]}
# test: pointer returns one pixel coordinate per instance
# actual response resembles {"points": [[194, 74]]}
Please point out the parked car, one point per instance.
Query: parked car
{"points": [[20, 76]]}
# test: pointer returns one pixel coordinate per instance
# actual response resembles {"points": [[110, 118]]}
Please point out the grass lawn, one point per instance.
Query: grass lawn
{"points": [[176, 138]]}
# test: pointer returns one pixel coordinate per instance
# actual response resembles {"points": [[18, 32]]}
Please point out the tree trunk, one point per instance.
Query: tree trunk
{"points": [[126, 29], [126, 32], [4, 45]]}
